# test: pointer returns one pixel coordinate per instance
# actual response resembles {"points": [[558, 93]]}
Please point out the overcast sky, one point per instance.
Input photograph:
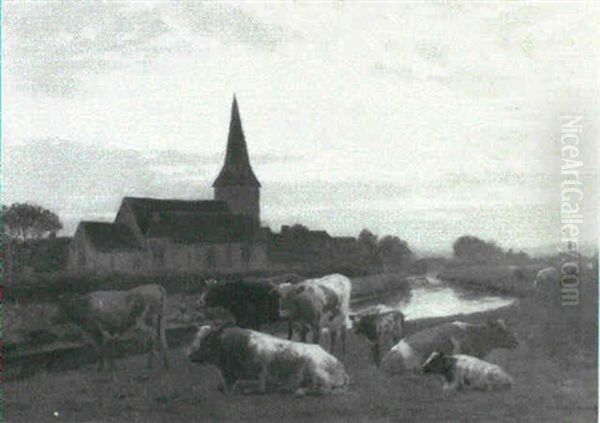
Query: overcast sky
{"points": [[427, 121]]}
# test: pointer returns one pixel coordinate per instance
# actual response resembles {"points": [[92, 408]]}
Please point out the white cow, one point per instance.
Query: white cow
{"points": [[316, 304], [451, 338], [461, 371]]}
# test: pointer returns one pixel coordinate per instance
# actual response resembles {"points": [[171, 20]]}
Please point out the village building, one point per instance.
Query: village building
{"points": [[151, 236]]}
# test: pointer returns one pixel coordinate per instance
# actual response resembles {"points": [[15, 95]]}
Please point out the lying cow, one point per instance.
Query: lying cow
{"points": [[253, 304], [254, 362], [466, 372], [316, 304], [382, 326], [450, 338], [105, 316]]}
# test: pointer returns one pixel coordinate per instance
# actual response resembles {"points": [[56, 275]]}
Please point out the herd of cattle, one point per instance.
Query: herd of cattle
{"points": [[253, 361]]}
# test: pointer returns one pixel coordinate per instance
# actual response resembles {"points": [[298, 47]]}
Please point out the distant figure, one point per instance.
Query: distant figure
{"points": [[450, 338], [461, 371], [316, 304], [547, 283], [105, 316], [253, 304], [254, 362], [382, 326]]}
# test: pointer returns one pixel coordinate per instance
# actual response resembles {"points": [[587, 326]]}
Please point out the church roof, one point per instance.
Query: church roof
{"points": [[236, 169], [188, 228], [107, 237], [145, 208]]}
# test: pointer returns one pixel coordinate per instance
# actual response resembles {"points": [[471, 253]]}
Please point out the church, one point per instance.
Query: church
{"points": [[152, 236]]}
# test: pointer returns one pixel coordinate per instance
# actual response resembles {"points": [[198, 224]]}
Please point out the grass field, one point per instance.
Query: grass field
{"points": [[557, 388]]}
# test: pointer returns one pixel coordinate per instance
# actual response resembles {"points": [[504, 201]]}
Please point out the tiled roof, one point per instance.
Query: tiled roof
{"points": [[190, 228], [144, 208], [107, 237]]}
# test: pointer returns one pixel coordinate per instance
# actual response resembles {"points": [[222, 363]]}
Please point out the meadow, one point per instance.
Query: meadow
{"points": [[549, 387]]}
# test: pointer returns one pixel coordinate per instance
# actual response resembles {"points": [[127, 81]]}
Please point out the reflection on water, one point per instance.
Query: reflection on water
{"points": [[444, 301]]}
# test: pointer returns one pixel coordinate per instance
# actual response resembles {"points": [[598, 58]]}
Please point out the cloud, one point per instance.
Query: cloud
{"points": [[50, 47], [78, 179], [226, 22]]}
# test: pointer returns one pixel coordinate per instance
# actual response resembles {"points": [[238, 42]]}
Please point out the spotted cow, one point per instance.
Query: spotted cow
{"points": [[316, 304], [255, 362], [450, 338], [461, 371], [382, 326]]}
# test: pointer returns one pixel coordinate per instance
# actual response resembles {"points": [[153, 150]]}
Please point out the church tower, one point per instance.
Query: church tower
{"points": [[236, 184]]}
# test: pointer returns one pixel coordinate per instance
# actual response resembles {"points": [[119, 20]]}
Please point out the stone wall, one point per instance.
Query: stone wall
{"points": [[165, 257]]}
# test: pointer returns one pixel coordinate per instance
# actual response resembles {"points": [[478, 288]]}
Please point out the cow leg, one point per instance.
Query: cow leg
{"points": [[344, 339], [303, 332], [290, 330], [376, 354], [262, 380], [161, 341], [100, 352], [111, 353], [151, 345], [316, 329], [332, 337]]}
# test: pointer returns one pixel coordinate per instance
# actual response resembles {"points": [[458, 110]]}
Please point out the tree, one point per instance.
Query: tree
{"points": [[24, 221], [369, 254], [471, 248], [393, 247], [367, 239], [393, 252]]}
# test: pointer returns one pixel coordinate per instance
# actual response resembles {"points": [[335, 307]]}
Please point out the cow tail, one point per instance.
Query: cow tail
{"points": [[160, 327]]}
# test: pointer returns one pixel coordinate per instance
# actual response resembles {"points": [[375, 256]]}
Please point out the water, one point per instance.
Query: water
{"points": [[432, 297], [440, 301]]}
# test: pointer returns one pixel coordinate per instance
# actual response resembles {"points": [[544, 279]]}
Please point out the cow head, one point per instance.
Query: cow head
{"points": [[202, 348], [287, 298], [501, 335], [211, 291], [364, 324], [438, 363]]}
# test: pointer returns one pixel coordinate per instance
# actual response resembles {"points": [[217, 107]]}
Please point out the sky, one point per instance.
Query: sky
{"points": [[423, 120]]}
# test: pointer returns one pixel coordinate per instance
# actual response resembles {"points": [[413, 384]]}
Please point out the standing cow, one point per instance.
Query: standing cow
{"points": [[105, 316], [450, 338], [316, 304], [461, 371], [253, 304], [254, 362], [382, 326]]}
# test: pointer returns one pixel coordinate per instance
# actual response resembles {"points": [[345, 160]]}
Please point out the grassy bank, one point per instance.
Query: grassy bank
{"points": [[497, 278], [555, 381]]}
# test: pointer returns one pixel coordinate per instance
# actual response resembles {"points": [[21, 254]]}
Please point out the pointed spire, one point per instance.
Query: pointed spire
{"points": [[236, 169]]}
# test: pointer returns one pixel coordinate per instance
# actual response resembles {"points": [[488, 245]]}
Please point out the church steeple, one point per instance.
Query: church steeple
{"points": [[236, 170], [236, 184]]}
